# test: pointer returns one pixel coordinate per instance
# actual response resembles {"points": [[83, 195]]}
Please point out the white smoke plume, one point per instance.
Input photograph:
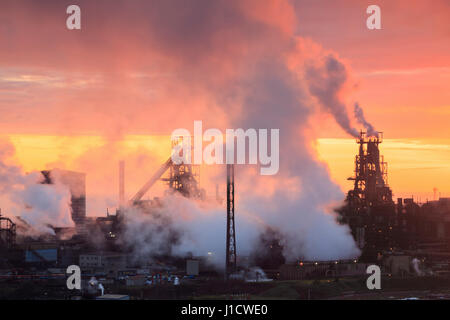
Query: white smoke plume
{"points": [[255, 88], [359, 115], [22, 195], [180, 227], [298, 201], [232, 64]]}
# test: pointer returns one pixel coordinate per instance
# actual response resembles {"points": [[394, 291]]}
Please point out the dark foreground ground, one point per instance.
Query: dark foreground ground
{"points": [[344, 288]]}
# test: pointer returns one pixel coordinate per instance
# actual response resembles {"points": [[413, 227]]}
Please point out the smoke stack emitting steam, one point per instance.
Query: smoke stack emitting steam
{"points": [[121, 183], [325, 83], [246, 68]]}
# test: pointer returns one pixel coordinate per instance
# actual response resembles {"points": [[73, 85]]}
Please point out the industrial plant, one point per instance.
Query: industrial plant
{"points": [[383, 227], [407, 239]]}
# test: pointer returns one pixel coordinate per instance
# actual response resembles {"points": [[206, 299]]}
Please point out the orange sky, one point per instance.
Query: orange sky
{"points": [[415, 167], [67, 93]]}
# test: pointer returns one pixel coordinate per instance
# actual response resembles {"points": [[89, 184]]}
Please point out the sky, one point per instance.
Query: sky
{"points": [[84, 99]]}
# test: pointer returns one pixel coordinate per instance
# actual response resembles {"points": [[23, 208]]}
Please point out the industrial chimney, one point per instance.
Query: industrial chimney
{"points": [[121, 183]]}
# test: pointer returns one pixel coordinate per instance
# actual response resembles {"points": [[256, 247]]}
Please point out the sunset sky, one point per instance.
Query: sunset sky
{"points": [[83, 99]]}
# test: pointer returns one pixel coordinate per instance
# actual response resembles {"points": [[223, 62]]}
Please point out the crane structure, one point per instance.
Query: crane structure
{"points": [[153, 179]]}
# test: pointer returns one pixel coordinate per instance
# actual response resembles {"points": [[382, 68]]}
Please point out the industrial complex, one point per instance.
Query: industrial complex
{"points": [[405, 238]]}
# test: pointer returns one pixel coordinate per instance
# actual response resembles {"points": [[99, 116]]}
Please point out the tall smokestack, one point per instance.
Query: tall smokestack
{"points": [[121, 183]]}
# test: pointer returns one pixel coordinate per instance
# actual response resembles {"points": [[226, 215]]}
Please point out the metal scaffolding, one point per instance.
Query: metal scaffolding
{"points": [[7, 232], [231, 231], [369, 209], [370, 177]]}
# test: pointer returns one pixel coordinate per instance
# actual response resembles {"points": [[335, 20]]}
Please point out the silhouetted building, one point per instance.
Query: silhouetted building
{"points": [[369, 210], [76, 182]]}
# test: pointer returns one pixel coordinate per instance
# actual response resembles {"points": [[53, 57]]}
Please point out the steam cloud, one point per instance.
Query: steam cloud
{"points": [[263, 90], [22, 195], [232, 64], [178, 227]]}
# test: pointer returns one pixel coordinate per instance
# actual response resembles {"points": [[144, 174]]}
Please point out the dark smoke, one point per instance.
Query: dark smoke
{"points": [[359, 115], [325, 83], [268, 250]]}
